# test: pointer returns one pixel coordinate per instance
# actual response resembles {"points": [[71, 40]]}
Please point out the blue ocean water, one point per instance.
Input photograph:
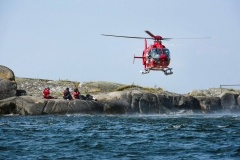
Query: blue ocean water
{"points": [[120, 137]]}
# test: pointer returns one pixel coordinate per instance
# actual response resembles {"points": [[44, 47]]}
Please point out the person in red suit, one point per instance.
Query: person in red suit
{"points": [[46, 93], [76, 94]]}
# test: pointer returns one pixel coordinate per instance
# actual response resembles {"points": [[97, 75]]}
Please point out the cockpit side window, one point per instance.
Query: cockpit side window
{"points": [[166, 52]]}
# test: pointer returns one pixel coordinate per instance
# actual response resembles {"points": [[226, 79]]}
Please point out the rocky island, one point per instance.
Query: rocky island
{"points": [[23, 96]]}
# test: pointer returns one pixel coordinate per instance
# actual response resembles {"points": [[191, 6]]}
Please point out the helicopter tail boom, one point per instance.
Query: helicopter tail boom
{"points": [[136, 57]]}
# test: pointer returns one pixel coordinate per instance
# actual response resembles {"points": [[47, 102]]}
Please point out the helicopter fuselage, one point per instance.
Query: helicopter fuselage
{"points": [[155, 57]]}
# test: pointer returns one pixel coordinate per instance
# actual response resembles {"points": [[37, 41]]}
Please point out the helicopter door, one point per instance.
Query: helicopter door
{"points": [[167, 53], [143, 60]]}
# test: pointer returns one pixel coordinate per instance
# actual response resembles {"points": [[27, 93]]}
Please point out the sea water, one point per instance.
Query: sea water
{"points": [[120, 137]]}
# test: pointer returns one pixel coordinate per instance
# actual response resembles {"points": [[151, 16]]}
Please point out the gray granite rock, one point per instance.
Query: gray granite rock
{"points": [[30, 105], [229, 102], [137, 102], [28, 100], [8, 106], [238, 100], [8, 86], [122, 102], [188, 103], [210, 104], [60, 106]]}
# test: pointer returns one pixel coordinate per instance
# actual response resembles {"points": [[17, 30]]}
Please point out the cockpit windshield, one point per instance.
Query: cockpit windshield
{"points": [[155, 52]]}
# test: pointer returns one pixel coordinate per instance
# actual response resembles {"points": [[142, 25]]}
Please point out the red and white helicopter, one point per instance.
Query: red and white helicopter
{"points": [[156, 56]]}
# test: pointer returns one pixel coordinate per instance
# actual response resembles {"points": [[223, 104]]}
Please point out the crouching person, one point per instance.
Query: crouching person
{"points": [[46, 93], [67, 94], [76, 94]]}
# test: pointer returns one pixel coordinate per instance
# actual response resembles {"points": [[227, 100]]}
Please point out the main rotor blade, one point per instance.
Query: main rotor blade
{"points": [[155, 37], [192, 38], [125, 36], [165, 38], [150, 34]]}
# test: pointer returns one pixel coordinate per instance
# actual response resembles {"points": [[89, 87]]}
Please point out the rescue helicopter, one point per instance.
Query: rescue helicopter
{"points": [[156, 56]]}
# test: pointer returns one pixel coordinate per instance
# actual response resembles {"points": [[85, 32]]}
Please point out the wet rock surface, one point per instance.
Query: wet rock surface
{"points": [[229, 102], [210, 104], [137, 102]]}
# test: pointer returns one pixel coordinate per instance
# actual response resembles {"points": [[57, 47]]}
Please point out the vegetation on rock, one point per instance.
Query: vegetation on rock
{"points": [[35, 86]]}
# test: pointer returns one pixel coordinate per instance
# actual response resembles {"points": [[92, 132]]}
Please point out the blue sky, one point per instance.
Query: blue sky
{"points": [[62, 40]]}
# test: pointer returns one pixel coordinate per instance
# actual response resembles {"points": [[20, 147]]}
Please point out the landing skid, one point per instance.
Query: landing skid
{"points": [[167, 71], [146, 71]]}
